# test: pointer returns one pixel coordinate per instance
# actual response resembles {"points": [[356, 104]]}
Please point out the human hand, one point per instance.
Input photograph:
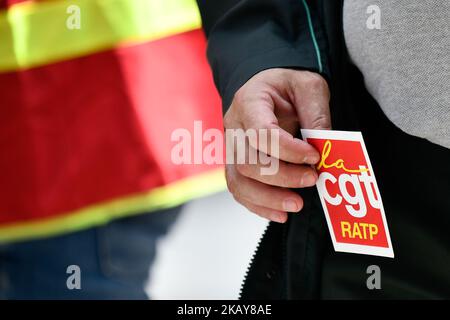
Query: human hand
{"points": [[286, 100]]}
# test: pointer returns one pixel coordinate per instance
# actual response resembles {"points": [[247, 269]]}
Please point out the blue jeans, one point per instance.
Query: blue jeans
{"points": [[113, 260]]}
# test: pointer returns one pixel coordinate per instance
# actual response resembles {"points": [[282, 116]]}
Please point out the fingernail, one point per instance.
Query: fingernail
{"points": [[308, 180], [290, 206], [311, 159]]}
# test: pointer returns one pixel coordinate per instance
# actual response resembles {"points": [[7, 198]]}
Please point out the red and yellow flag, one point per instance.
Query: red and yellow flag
{"points": [[87, 111]]}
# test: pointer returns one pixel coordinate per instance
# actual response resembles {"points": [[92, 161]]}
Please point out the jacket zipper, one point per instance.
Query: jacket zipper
{"points": [[283, 261]]}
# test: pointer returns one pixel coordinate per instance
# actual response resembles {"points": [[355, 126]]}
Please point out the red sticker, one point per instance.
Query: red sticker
{"points": [[349, 193]]}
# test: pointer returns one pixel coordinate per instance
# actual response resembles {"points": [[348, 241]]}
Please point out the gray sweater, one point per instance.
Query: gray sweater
{"points": [[406, 62]]}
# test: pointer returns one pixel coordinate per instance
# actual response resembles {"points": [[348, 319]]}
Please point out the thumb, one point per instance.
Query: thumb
{"points": [[311, 100]]}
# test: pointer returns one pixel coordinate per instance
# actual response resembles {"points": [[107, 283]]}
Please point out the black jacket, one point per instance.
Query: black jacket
{"points": [[296, 260]]}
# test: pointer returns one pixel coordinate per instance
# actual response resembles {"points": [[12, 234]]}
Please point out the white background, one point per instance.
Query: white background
{"points": [[207, 251]]}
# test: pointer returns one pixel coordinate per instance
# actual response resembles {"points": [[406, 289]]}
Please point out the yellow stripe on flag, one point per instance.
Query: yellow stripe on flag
{"points": [[37, 33], [168, 196]]}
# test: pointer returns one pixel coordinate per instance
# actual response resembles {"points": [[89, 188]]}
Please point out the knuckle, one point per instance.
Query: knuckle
{"points": [[322, 121], [268, 126], [244, 169], [236, 198], [231, 184], [286, 180], [316, 81], [239, 99], [292, 180], [227, 123]]}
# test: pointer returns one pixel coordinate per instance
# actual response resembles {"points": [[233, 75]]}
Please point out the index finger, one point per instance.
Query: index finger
{"points": [[272, 139]]}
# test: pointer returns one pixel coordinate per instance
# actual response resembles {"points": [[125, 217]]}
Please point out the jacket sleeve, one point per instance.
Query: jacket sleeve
{"points": [[249, 36]]}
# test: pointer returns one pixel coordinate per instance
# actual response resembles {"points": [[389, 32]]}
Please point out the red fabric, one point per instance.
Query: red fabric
{"points": [[95, 128]]}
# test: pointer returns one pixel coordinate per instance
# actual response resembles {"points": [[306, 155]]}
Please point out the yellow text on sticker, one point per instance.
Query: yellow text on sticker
{"points": [[338, 164], [358, 230]]}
